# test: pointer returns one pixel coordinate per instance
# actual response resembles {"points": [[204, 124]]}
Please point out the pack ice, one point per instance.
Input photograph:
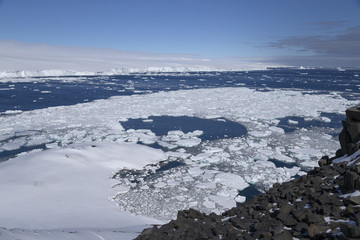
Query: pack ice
{"points": [[74, 180]]}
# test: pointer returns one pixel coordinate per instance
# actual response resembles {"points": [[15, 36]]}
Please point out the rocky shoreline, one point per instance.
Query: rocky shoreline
{"points": [[324, 204]]}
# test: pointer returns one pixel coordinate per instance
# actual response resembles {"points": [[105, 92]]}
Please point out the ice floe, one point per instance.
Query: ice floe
{"points": [[70, 187], [210, 173]]}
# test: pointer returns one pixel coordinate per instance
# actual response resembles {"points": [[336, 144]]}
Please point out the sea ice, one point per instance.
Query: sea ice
{"points": [[69, 187], [147, 190]]}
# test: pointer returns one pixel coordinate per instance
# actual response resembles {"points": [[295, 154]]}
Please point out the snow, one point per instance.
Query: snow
{"points": [[69, 187], [356, 193], [347, 158], [127, 233]]}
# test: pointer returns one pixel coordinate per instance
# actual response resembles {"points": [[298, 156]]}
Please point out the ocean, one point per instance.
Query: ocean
{"points": [[226, 135]]}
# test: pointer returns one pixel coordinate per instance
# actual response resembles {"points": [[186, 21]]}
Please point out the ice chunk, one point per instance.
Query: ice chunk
{"points": [[293, 122], [231, 180]]}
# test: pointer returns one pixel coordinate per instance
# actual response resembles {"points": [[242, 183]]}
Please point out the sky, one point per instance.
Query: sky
{"points": [[307, 32]]}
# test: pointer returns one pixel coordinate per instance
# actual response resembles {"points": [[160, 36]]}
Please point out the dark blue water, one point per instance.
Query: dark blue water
{"points": [[212, 128], [280, 164], [249, 192], [47, 92], [302, 123]]}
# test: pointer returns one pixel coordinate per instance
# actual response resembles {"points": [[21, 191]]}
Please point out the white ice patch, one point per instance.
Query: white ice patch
{"points": [[179, 139], [9, 112], [356, 193], [231, 180], [69, 187], [123, 233], [293, 122]]}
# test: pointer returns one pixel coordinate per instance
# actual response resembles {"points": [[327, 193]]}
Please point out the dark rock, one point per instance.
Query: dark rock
{"points": [[287, 219], [353, 128], [353, 113], [315, 218], [314, 230], [350, 133], [264, 205], [240, 223], [325, 199], [266, 235], [356, 169], [285, 235], [352, 148], [277, 228], [247, 236], [350, 231], [261, 226], [350, 182], [349, 211], [325, 160], [354, 200], [286, 208], [301, 227], [339, 152]]}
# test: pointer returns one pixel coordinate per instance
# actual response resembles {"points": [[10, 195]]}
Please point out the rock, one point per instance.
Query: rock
{"points": [[325, 199], [286, 208], [352, 148], [353, 113], [325, 160], [247, 236], [314, 230], [350, 231], [353, 128], [349, 211], [339, 153], [239, 223], [301, 227], [287, 219], [350, 134], [261, 226], [266, 235], [344, 139], [277, 228], [357, 218], [315, 218], [285, 235], [354, 200], [299, 214]]}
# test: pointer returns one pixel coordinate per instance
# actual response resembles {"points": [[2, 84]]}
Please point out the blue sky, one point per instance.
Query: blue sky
{"points": [[277, 30]]}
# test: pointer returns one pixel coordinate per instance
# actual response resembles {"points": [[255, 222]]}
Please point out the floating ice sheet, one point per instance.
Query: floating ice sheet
{"points": [[69, 187], [156, 193]]}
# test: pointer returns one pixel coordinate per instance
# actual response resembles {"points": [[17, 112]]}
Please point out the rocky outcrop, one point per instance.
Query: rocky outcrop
{"points": [[324, 204], [350, 135]]}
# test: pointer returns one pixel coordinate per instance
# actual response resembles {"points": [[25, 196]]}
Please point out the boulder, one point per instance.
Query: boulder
{"points": [[350, 135], [350, 231], [353, 113]]}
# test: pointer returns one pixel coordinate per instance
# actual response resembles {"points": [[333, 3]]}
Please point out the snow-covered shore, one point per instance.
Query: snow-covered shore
{"points": [[67, 191]]}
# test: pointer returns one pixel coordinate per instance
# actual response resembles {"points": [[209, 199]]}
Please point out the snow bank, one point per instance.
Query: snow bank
{"points": [[69, 187]]}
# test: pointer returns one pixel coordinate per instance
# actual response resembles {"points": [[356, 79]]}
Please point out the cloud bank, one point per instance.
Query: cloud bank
{"points": [[342, 49]]}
